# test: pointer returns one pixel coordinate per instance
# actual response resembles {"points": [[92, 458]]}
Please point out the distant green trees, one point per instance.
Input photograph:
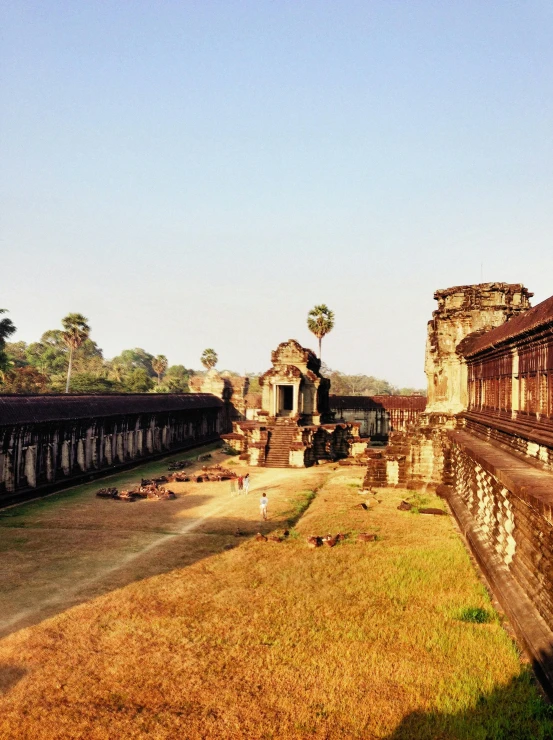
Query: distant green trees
{"points": [[175, 380], [68, 360], [342, 384]]}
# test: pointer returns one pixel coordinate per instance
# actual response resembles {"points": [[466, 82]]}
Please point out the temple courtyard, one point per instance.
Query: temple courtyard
{"points": [[172, 619]]}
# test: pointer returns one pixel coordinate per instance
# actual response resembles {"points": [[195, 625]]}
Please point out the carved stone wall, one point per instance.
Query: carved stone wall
{"points": [[505, 510], [378, 416]]}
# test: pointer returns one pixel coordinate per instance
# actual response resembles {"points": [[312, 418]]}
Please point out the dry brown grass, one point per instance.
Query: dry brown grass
{"points": [[263, 640]]}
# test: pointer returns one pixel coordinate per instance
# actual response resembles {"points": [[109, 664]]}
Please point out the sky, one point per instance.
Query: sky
{"points": [[201, 174]]}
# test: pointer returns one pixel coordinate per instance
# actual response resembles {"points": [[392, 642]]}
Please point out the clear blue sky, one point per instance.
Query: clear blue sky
{"points": [[200, 174]]}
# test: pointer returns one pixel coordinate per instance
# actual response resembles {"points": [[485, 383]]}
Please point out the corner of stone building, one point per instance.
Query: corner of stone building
{"points": [[420, 457]]}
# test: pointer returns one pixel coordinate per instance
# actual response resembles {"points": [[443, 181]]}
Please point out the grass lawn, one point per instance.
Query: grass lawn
{"points": [[180, 629]]}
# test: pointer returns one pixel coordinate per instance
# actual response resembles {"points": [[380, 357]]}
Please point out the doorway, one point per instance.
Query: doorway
{"points": [[285, 400]]}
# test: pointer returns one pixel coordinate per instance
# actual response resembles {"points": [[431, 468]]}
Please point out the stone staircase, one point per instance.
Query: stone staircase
{"points": [[282, 435]]}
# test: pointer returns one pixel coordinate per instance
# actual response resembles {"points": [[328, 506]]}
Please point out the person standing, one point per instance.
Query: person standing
{"points": [[232, 486], [240, 484], [246, 483], [263, 503]]}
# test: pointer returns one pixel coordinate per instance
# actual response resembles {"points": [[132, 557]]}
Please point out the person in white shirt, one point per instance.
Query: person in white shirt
{"points": [[246, 483], [263, 502]]}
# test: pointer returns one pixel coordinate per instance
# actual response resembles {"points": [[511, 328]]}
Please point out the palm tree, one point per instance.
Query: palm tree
{"points": [[159, 365], [209, 358], [320, 320], [76, 331], [6, 329]]}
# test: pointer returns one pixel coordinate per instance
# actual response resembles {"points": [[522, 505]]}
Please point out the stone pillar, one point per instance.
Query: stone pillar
{"points": [[120, 450], [515, 386], [66, 457], [30, 465], [108, 449], [295, 403], [7, 475], [50, 470], [81, 460], [87, 448]]}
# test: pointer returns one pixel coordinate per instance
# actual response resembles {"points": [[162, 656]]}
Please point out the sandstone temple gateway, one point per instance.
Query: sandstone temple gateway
{"points": [[294, 425]]}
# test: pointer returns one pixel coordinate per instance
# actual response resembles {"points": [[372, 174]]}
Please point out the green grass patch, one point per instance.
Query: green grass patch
{"points": [[299, 505], [418, 500], [475, 615]]}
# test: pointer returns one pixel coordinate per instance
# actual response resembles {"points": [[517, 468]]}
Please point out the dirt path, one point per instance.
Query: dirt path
{"points": [[62, 552]]}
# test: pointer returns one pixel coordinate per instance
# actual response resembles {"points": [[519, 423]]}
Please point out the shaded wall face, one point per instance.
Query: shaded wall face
{"points": [[378, 416], [33, 456], [463, 311]]}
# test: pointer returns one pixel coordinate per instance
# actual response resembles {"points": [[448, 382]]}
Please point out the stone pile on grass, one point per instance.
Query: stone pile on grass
{"points": [[179, 465], [211, 474], [406, 506], [107, 493], [158, 493], [366, 537], [150, 490]]}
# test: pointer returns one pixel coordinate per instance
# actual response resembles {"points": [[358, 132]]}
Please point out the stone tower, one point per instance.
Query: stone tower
{"points": [[463, 310]]}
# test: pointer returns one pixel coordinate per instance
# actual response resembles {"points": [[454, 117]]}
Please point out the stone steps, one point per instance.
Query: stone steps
{"points": [[280, 441]]}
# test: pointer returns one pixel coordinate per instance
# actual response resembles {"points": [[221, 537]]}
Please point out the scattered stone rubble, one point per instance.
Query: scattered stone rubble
{"points": [[328, 540], [151, 487], [366, 537], [107, 492], [214, 473], [147, 489], [406, 506], [179, 464]]}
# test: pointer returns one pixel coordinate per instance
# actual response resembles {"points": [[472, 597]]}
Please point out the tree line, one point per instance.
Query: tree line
{"points": [[68, 360]]}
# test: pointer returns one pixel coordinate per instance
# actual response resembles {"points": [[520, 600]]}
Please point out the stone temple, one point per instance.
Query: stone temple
{"points": [[483, 439], [294, 427]]}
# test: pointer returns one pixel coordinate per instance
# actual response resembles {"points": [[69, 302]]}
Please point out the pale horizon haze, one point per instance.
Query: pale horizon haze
{"points": [[201, 174]]}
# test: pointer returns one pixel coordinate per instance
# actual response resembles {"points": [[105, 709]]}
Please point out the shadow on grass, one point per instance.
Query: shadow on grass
{"points": [[9, 676], [68, 561], [511, 712]]}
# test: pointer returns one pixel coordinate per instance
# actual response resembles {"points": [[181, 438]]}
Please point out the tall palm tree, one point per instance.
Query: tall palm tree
{"points": [[159, 365], [75, 332], [209, 358], [6, 329], [320, 320]]}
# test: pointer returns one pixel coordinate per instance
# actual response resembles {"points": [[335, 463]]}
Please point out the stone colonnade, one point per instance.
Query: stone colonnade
{"points": [[42, 454]]}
